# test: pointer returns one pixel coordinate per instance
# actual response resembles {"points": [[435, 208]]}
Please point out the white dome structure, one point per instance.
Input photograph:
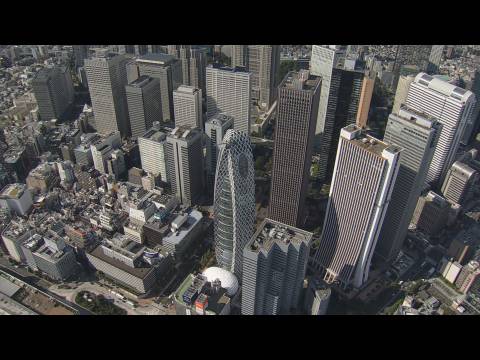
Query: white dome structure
{"points": [[228, 281]]}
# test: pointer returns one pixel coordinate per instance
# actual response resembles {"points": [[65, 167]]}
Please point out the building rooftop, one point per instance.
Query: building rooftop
{"points": [[421, 119], [220, 119], [300, 80], [187, 89], [271, 232], [13, 191], [182, 225], [156, 58], [443, 87], [154, 134], [367, 142], [184, 132], [142, 81], [236, 69]]}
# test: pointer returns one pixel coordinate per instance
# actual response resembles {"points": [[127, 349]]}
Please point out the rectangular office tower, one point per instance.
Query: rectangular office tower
{"points": [[324, 59], [53, 89], [215, 129], [167, 69], [144, 107], [297, 107], [185, 164], [228, 91], [107, 77], [274, 265], [152, 152], [417, 134], [363, 179], [187, 104], [263, 64], [453, 107], [239, 55]]}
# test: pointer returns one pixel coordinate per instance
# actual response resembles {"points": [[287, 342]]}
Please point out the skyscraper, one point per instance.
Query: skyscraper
{"points": [[263, 64], [453, 107], [363, 179], [144, 107], [80, 53], [402, 91], [198, 63], [152, 152], [234, 200], [342, 110], [435, 58], [53, 89], [298, 97], [322, 62], [187, 104], [107, 77], [459, 182], [167, 69], [274, 266], [239, 55], [228, 91], [417, 134], [185, 164], [368, 85], [472, 126], [184, 57], [215, 129]]}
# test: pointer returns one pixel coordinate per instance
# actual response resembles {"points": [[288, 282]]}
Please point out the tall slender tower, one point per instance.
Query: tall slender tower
{"points": [[107, 77], [228, 91], [363, 179], [417, 134], [453, 107], [298, 97], [234, 200], [215, 129], [239, 55], [263, 63], [185, 163]]}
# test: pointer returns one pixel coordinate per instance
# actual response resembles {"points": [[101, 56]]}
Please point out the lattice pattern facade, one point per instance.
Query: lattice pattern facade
{"points": [[234, 200]]}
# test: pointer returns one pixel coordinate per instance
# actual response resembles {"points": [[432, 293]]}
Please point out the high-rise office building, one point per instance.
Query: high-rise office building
{"points": [[53, 89], [459, 182], [402, 91], [431, 213], [239, 55], [80, 53], [144, 106], [107, 77], [228, 91], [342, 110], [472, 126], [152, 152], [198, 63], [167, 69], [274, 266], [435, 58], [366, 93], [215, 129], [185, 164], [263, 64], [184, 57], [417, 135], [187, 104], [453, 107], [363, 179], [297, 107], [324, 59], [234, 200]]}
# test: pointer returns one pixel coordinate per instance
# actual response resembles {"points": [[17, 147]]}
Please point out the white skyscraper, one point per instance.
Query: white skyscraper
{"points": [[152, 152], [363, 179], [228, 91], [187, 105], [234, 202], [453, 107]]}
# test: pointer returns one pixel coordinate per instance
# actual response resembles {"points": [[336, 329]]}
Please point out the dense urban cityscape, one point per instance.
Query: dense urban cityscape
{"points": [[239, 180]]}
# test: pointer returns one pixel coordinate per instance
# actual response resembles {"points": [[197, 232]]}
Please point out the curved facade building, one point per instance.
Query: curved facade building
{"points": [[234, 200]]}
